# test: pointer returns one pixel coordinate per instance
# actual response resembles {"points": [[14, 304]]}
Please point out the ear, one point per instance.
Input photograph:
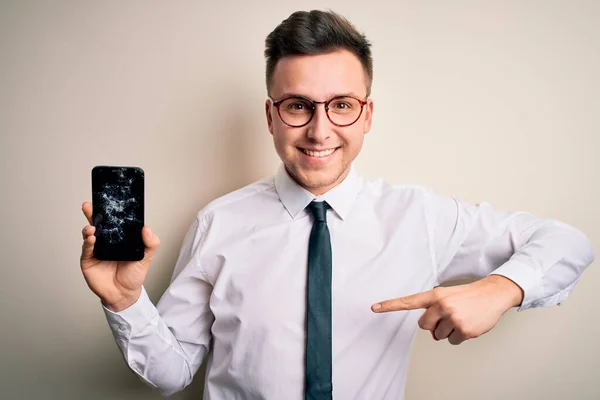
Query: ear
{"points": [[269, 116], [369, 107]]}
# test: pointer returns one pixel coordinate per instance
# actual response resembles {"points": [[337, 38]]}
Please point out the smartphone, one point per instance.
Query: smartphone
{"points": [[118, 212]]}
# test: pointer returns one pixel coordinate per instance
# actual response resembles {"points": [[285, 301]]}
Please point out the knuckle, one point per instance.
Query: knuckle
{"points": [[457, 321], [402, 302], [448, 310], [465, 331], [445, 304], [437, 293]]}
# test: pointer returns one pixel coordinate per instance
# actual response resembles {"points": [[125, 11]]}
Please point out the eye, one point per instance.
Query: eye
{"points": [[297, 105], [342, 105]]}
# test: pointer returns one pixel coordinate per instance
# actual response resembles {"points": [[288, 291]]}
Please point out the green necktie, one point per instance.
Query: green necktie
{"points": [[318, 307]]}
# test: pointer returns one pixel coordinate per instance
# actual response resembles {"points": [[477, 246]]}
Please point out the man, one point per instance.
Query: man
{"points": [[282, 282]]}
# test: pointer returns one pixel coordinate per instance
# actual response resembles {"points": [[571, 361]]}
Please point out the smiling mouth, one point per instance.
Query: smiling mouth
{"points": [[319, 154]]}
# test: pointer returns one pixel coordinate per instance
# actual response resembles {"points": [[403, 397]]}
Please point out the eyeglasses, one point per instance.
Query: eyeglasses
{"points": [[297, 111]]}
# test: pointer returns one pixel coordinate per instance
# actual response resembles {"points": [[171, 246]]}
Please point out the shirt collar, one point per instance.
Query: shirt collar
{"points": [[295, 198]]}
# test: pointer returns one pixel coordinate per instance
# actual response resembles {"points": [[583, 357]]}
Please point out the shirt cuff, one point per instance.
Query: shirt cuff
{"points": [[527, 278], [133, 319]]}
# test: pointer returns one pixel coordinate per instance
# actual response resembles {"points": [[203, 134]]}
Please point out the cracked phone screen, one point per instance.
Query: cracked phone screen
{"points": [[118, 212]]}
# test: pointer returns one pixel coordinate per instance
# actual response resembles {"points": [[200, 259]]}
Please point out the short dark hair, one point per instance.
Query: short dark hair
{"points": [[316, 32]]}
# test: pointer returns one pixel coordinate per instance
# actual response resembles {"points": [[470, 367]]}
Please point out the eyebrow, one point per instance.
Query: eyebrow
{"points": [[331, 96]]}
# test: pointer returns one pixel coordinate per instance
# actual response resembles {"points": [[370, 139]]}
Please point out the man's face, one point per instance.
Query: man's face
{"points": [[319, 78]]}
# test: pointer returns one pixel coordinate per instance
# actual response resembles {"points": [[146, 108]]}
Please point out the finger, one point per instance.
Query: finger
{"points": [[430, 318], [444, 328], [151, 243], [87, 231], [87, 249], [433, 336], [87, 211], [412, 302], [456, 337]]}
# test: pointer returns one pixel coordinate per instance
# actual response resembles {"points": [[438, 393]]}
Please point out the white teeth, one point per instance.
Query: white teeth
{"points": [[323, 153]]}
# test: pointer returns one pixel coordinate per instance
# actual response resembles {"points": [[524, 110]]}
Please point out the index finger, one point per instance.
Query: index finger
{"points": [[411, 302], [87, 211]]}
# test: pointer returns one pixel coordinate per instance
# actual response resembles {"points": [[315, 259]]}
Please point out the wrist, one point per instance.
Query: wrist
{"points": [[508, 289], [124, 302]]}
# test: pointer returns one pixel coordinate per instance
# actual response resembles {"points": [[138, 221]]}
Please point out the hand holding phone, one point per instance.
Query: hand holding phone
{"points": [[117, 248]]}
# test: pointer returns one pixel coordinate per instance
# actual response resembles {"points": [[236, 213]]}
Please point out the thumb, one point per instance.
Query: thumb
{"points": [[151, 243]]}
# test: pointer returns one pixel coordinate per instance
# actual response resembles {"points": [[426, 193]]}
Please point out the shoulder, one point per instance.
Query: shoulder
{"points": [[399, 201], [404, 197], [384, 190], [243, 200]]}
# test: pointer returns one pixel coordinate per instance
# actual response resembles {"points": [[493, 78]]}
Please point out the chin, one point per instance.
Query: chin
{"points": [[315, 180]]}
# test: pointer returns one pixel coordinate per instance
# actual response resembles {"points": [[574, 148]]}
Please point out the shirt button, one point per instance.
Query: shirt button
{"points": [[122, 327]]}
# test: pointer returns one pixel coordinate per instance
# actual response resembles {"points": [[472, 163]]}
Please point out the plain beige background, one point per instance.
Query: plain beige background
{"points": [[486, 100]]}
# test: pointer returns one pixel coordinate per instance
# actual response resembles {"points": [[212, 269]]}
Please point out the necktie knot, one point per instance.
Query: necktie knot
{"points": [[318, 209]]}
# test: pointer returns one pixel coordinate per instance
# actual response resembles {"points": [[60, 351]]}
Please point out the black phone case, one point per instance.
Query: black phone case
{"points": [[118, 212]]}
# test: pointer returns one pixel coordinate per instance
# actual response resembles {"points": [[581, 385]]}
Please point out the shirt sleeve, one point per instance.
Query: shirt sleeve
{"points": [[545, 257], [165, 345]]}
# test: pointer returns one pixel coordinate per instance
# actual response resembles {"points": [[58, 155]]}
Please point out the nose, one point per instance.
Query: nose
{"points": [[319, 128]]}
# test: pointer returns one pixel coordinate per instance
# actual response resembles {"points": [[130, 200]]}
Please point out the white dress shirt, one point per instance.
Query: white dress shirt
{"points": [[238, 287]]}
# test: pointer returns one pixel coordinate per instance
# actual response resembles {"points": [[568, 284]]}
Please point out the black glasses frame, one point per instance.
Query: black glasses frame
{"points": [[314, 107]]}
